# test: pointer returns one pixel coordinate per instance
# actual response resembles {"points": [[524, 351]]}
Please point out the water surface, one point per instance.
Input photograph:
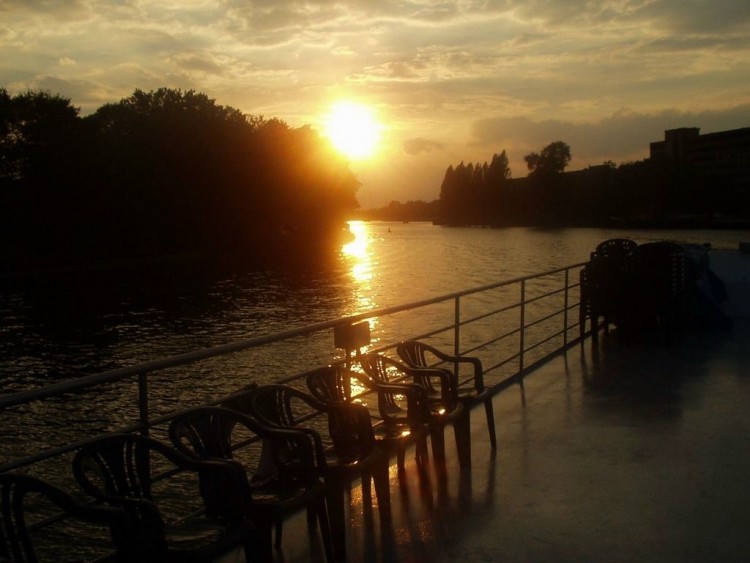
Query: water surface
{"points": [[68, 327]]}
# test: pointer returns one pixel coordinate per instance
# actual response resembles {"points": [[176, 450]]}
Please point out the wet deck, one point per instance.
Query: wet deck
{"points": [[626, 454]]}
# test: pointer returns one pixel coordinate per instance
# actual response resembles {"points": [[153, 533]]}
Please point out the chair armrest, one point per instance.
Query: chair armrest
{"points": [[447, 380], [423, 377], [400, 387], [310, 457], [130, 449], [315, 443], [417, 407], [304, 442], [475, 362], [94, 513]]}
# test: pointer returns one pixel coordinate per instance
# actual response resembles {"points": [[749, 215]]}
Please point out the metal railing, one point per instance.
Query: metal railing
{"points": [[513, 325]]}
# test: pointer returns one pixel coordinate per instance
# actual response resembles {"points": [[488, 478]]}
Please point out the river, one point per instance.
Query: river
{"points": [[65, 329]]}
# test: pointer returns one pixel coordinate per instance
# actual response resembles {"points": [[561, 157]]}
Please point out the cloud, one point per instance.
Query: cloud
{"points": [[716, 16], [199, 62], [461, 79], [417, 146], [622, 136], [64, 10]]}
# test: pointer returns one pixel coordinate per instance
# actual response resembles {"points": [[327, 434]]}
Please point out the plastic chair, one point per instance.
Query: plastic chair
{"points": [[349, 448], [470, 392], [21, 492], [332, 384], [657, 290], [440, 387], [281, 463], [616, 248], [605, 285], [142, 476], [590, 305]]}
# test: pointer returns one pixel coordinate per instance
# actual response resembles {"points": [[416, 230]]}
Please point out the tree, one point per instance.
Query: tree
{"points": [[36, 136], [552, 160], [498, 171], [40, 167], [161, 174]]}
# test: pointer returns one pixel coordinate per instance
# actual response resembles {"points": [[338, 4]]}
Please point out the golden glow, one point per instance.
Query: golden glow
{"points": [[353, 129], [359, 256], [358, 251], [357, 387]]}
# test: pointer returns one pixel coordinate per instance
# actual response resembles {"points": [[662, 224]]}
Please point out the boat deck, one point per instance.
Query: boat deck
{"points": [[613, 453]]}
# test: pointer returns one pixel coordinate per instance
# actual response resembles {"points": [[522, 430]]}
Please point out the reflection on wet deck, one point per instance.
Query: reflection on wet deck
{"points": [[628, 454]]}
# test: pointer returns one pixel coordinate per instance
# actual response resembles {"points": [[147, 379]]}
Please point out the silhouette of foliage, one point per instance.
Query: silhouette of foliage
{"points": [[645, 193], [553, 159], [162, 174], [469, 191]]}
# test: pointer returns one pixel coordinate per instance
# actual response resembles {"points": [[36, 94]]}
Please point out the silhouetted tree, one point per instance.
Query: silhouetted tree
{"points": [[458, 194], [553, 159], [164, 173], [39, 173], [36, 130], [498, 171], [495, 202]]}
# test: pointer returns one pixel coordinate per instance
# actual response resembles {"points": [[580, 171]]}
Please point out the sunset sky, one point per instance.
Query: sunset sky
{"points": [[447, 81]]}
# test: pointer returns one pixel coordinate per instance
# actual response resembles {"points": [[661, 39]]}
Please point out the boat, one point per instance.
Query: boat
{"points": [[606, 451]]}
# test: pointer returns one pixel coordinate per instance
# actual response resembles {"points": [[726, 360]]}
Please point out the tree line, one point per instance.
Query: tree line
{"points": [[642, 193], [161, 174]]}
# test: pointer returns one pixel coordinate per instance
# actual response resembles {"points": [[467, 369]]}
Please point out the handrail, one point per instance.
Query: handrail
{"points": [[526, 301]]}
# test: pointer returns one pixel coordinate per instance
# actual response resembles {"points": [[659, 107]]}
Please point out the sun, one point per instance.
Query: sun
{"points": [[353, 129]]}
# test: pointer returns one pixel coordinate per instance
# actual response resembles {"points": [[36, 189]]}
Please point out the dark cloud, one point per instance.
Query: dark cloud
{"points": [[696, 43], [715, 16], [617, 137], [63, 9], [86, 95], [200, 62]]}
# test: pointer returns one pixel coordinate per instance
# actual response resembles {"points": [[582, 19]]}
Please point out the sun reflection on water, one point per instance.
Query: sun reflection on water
{"points": [[358, 251]]}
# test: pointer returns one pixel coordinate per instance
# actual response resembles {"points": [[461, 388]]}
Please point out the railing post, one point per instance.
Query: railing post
{"points": [[456, 331], [456, 326], [565, 308], [522, 326], [143, 402]]}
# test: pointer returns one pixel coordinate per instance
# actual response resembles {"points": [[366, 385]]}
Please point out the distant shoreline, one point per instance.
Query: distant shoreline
{"points": [[676, 223]]}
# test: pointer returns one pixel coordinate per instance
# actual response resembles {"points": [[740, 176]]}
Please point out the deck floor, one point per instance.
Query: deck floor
{"points": [[635, 453]]}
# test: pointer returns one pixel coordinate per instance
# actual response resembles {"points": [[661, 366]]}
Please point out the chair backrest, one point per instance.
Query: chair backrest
{"points": [[217, 432], [122, 470], [413, 353], [330, 384], [658, 271], [204, 433], [616, 247], [275, 405], [388, 370], [606, 276], [376, 366], [17, 492], [382, 368], [418, 354], [348, 425]]}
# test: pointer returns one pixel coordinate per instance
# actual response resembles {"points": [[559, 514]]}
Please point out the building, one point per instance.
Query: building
{"points": [[722, 157]]}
